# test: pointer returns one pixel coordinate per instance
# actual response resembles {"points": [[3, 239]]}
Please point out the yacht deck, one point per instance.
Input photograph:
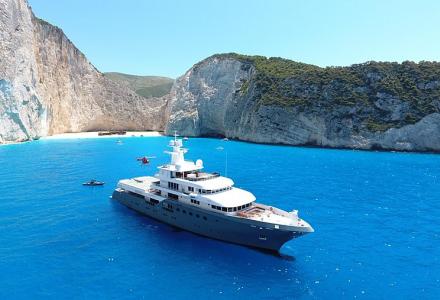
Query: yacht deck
{"points": [[264, 213], [142, 185]]}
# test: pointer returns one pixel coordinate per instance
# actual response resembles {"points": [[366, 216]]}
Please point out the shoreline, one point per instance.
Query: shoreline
{"points": [[94, 135]]}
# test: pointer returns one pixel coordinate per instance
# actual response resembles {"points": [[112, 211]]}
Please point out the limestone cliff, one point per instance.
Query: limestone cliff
{"points": [[368, 106], [48, 86]]}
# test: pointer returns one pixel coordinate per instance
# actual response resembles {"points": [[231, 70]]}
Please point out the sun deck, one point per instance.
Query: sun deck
{"points": [[200, 176], [269, 214]]}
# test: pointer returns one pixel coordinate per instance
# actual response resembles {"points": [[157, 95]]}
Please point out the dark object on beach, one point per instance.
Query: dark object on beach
{"points": [[93, 182], [112, 132]]}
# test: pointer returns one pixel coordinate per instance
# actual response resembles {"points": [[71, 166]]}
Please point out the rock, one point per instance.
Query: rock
{"points": [[48, 86], [204, 100], [222, 96], [421, 136], [397, 108]]}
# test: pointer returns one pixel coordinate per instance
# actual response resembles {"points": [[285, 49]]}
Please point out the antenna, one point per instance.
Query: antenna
{"points": [[175, 135]]}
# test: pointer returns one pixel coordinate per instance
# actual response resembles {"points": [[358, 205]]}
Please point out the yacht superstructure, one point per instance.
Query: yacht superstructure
{"points": [[183, 195]]}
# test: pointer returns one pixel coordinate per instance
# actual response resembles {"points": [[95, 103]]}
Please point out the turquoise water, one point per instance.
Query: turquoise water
{"points": [[376, 216]]}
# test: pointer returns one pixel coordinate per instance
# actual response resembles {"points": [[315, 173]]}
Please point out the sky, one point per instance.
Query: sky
{"points": [[166, 38]]}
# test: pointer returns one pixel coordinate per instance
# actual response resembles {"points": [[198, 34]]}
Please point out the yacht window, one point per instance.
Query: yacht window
{"points": [[204, 218], [235, 209], [229, 209], [224, 209], [262, 237], [136, 195], [200, 191], [184, 211], [190, 189], [173, 196], [190, 213], [197, 216], [173, 186], [178, 209]]}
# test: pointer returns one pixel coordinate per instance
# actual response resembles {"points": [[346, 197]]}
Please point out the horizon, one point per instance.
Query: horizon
{"points": [[395, 32]]}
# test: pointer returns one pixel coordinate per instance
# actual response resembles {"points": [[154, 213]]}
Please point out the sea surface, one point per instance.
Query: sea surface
{"points": [[376, 216]]}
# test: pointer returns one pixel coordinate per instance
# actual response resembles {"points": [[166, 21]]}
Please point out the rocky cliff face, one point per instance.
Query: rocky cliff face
{"points": [[369, 106], [48, 86]]}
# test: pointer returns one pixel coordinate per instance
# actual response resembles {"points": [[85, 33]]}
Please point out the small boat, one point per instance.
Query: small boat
{"points": [[185, 138], [119, 142], [93, 182], [226, 139]]}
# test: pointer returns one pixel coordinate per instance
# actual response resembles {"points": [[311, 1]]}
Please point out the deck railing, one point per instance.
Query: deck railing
{"points": [[203, 177]]}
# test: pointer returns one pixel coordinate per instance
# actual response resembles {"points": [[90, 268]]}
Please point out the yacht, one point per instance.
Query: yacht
{"points": [[183, 195]]}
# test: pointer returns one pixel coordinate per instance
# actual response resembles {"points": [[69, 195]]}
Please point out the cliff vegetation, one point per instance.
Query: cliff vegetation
{"points": [[405, 91]]}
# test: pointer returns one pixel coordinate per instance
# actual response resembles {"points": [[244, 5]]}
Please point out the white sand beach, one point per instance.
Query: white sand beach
{"points": [[94, 135]]}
